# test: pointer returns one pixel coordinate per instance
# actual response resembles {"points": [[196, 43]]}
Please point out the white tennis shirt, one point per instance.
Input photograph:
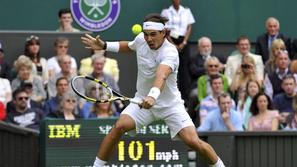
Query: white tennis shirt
{"points": [[147, 61]]}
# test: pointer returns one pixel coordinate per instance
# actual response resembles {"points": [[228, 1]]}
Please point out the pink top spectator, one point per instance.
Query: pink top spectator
{"points": [[266, 125]]}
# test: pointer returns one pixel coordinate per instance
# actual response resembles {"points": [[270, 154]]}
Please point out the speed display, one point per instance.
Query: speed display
{"points": [[75, 144]]}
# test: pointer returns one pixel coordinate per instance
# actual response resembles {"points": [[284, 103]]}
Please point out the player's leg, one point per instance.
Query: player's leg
{"points": [[190, 137], [124, 124], [131, 119]]}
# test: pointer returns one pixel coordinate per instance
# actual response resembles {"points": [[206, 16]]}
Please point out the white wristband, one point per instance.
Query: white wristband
{"points": [[154, 92], [112, 46]]}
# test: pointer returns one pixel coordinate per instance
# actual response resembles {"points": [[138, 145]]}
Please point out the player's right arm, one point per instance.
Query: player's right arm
{"points": [[98, 44]]}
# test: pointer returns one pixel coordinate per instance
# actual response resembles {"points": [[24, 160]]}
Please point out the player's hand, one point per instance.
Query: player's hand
{"points": [[93, 43], [148, 102]]}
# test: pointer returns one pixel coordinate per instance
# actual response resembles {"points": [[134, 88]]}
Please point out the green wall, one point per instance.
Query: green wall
{"points": [[222, 20]]}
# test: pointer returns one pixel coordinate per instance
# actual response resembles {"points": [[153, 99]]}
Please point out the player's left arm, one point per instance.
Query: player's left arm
{"points": [[162, 73]]}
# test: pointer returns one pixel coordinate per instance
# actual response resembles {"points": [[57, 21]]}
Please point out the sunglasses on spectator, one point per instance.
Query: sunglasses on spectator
{"points": [[213, 65], [63, 46], [32, 37], [71, 100], [23, 98], [246, 66]]}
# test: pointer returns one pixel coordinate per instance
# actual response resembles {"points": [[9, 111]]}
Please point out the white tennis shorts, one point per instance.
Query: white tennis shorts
{"points": [[175, 117]]}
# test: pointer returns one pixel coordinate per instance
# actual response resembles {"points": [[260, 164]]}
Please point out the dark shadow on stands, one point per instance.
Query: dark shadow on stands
{"points": [[18, 146]]}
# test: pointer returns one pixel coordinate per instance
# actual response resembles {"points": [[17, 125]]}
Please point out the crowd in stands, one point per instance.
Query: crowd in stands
{"points": [[247, 91]]}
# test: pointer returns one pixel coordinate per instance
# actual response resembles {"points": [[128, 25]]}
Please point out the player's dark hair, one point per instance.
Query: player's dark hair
{"points": [[155, 17], [64, 11]]}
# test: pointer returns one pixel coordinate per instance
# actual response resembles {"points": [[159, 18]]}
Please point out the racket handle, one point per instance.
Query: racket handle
{"points": [[135, 101]]}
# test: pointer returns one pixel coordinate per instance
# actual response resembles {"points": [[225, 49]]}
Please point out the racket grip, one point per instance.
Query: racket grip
{"points": [[135, 101]]}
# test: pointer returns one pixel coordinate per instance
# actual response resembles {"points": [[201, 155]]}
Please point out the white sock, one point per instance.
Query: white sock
{"points": [[99, 163], [219, 163]]}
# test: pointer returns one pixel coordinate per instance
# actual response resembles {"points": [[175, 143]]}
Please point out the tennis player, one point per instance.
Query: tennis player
{"points": [[157, 61]]}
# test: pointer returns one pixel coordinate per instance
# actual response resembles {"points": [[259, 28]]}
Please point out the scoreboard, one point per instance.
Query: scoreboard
{"points": [[75, 144]]}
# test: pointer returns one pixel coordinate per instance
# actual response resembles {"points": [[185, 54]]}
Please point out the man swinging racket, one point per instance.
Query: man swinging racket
{"points": [[157, 61]]}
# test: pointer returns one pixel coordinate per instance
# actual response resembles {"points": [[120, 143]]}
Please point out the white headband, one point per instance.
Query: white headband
{"points": [[149, 25]]}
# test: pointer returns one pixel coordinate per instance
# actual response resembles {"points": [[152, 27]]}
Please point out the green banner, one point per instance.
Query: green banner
{"points": [[75, 143]]}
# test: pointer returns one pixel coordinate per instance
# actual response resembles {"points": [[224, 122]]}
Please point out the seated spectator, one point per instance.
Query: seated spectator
{"points": [[23, 66], [102, 110], [22, 115], [212, 68], [210, 103], [65, 65], [39, 66], [243, 107], [264, 41], [68, 108], [5, 91], [4, 65], [222, 119], [245, 72], [62, 87], [197, 69], [273, 80], [292, 118], [264, 118], [283, 101], [277, 46], [110, 66], [293, 69], [61, 49], [234, 61], [65, 20], [2, 112], [27, 86]]}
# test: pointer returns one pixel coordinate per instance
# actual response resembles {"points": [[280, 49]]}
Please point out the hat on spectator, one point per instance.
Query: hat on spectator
{"points": [[1, 49], [26, 84]]}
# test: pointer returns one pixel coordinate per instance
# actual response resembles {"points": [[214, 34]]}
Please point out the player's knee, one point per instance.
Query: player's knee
{"points": [[120, 128]]}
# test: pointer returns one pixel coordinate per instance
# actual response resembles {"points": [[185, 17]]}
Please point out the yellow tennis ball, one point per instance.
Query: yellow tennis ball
{"points": [[136, 29]]}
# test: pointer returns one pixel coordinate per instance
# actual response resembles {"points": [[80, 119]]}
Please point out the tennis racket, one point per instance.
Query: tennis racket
{"points": [[109, 95]]}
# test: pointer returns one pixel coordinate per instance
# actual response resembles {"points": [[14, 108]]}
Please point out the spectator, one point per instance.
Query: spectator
{"points": [[23, 66], [212, 67], [39, 66], [180, 27], [252, 88], [110, 66], [27, 86], [234, 61], [264, 41], [210, 103], [292, 118], [277, 46], [4, 65], [51, 105], [264, 118], [245, 72], [273, 80], [102, 110], [68, 108], [222, 119], [61, 49], [5, 91], [65, 20], [65, 65], [196, 64], [2, 112], [283, 101], [22, 115]]}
